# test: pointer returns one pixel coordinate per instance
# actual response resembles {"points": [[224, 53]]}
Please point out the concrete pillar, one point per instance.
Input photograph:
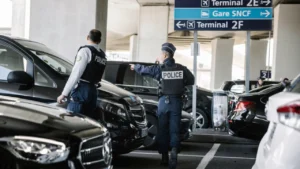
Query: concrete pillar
{"points": [[152, 32], [20, 18], [133, 47], [221, 65], [101, 20], [258, 52], [286, 41], [61, 25]]}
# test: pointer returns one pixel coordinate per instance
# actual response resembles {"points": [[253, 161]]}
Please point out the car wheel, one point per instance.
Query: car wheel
{"points": [[152, 124], [202, 119]]}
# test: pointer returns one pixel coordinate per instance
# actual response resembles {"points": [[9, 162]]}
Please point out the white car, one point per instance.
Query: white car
{"points": [[280, 146]]}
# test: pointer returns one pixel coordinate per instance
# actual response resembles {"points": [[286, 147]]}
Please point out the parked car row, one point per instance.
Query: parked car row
{"points": [[31, 71], [278, 148], [270, 114]]}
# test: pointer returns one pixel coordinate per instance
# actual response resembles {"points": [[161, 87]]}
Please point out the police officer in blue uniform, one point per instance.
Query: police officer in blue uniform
{"points": [[86, 75], [172, 79]]}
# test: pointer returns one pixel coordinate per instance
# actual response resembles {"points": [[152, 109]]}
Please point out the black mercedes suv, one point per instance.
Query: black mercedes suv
{"points": [[35, 135], [31, 70]]}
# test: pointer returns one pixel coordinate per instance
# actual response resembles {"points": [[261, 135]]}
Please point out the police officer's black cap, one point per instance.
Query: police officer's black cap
{"points": [[169, 47], [95, 35]]}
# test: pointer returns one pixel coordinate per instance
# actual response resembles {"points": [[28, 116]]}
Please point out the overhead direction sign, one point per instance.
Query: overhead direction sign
{"points": [[223, 15]]}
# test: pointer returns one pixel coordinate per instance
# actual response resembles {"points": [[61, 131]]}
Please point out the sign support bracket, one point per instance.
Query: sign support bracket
{"points": [[247, 62], [195, 75]]}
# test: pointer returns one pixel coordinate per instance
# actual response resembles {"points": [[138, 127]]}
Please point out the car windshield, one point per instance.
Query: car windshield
{"points": [[295, 85], [50, 57]]}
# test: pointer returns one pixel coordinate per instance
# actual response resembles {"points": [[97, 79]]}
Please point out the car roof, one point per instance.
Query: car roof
{"points": [[18, 38], [243, 81]]}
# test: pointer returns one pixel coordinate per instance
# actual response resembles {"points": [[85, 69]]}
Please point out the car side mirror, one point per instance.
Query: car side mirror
{"points": [[20, 77]]}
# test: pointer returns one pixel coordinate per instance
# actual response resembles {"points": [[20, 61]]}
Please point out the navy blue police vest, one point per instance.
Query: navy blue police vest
{"points": [[95, 69], [172, 80]]}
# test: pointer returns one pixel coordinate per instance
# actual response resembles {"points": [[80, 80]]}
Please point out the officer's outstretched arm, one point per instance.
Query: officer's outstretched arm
{"points": [[190, 79], [152, 71]]}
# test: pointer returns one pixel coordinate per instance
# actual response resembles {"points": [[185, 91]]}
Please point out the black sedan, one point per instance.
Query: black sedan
{"points": [[248, 119], [119, 73], [238, 86], [152, 119], [31, 70], [34, 136]]}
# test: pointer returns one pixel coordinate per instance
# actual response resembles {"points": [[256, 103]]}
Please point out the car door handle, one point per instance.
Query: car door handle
{"points": [[145, 90]]}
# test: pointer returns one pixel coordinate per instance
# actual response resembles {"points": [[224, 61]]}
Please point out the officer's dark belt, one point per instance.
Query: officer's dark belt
{"points": [[97, 85]]}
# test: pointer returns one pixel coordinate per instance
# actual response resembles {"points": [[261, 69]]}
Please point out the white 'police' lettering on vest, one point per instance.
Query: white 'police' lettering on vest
{"points": [[170, 75], [100, 60]]}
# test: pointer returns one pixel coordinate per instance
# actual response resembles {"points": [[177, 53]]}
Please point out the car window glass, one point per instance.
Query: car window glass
{"points": [[295, 85], [253, 86], [40, 79], [133, 78], [10, 61], [238, 88], [57, 64]]}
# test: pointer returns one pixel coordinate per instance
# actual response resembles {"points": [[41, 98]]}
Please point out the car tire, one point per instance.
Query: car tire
{"points": [[152, 124], [202, 119]]}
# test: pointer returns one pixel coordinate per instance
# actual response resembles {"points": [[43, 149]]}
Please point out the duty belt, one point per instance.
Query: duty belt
{"points": [[84, 81]]}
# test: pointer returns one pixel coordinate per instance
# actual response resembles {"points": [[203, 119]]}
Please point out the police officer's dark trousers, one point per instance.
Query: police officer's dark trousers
{"points": [[169, 119], [83, 99]]}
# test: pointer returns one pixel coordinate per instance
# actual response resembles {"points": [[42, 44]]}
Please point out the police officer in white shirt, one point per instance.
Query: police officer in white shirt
{"points": [[86, 75]]}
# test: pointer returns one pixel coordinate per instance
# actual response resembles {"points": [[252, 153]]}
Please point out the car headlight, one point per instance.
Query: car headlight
{"points": [[113, 107], [107, 150], [38, 150]]}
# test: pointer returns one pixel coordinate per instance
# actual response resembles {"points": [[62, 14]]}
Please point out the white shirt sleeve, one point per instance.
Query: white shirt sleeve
{"points": [[82, 59]]}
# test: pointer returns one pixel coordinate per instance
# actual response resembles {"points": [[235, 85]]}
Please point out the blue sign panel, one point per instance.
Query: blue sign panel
{"points": [[218, 25], [265, 74], [223, 15]]}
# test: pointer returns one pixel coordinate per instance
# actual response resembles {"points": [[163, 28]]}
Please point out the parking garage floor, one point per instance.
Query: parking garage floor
{"points": [[200, 152]]}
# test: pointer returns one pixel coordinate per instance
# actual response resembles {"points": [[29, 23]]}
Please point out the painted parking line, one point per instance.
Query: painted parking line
{"points": [[188, 155], [208, 157]]}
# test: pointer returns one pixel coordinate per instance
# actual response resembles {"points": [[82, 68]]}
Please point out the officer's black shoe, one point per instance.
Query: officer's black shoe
{"points": [[173, 159], [164, 159]]}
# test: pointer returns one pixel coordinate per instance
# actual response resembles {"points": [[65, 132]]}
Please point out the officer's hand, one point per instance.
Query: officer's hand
{"points": [[61, 99], [132, 66]]}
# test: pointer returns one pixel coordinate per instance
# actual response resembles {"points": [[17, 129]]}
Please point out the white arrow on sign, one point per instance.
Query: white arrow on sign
{"points": [[266, 13], [267, 2], [179, 24]]}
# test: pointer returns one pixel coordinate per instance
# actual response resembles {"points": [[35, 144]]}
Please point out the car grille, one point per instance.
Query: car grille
{"points": [[138, 114], [92, 150]]}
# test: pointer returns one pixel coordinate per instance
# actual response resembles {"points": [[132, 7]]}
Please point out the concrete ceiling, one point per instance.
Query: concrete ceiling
{"points": [[123, 16]]}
